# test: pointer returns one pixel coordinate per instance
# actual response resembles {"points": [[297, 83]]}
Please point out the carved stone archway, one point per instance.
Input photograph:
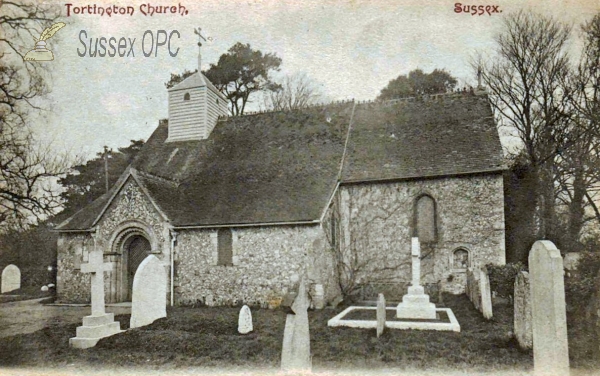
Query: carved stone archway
{"points": [[131, 236]]}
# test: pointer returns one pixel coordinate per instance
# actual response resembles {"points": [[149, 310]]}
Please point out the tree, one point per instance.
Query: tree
{"points": [[296, 91], [177, 78], [87, 181], [241, 72], [578, 164], [525, 80], [417, 83], [26, 169]]}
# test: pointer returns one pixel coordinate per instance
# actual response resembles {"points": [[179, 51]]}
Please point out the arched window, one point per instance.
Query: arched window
{"points": [[460, 259], [425, 219], [225, 247], [186, 97]]}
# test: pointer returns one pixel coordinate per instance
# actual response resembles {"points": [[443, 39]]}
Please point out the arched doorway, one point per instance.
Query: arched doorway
{"points": [[135, 250]]}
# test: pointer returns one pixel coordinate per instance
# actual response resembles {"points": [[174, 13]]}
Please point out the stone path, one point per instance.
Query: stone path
{"points": [[29, 316]]}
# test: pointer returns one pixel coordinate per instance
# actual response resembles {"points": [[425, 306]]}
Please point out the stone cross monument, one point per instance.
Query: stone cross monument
{"points": [[415, 304], [99, 324], [96, 266]]}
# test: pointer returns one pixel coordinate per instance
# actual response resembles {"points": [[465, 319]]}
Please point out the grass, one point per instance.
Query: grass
{"points": [[207, 337], [25, 293]]}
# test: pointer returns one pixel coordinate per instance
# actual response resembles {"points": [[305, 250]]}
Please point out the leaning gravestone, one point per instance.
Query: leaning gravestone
{"points": [[245, 320], [11, 279], [149, 293], [380, 315], [295, 353], [522, 315], [548, 310], [486, 294]]}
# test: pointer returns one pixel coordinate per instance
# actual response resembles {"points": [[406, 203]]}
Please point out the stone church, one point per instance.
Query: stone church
{"points": [[238, 209]]}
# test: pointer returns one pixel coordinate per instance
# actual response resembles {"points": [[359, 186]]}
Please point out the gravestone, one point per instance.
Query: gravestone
{"points": [[99, 324], [522, 314], [245, 320], [548, 310], [415, 304], [486, 294], [380, 315], [149, 293], [295, 353], [11, 279]]}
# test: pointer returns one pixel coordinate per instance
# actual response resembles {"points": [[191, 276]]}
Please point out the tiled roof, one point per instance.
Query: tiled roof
{"points": [[282, 167]]}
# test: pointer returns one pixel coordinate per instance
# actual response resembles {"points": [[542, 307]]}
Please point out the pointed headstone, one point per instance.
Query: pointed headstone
{"points": [[380, 315], [245, 320], [548, 310], [149, 293], [11, 279], [295, 353]]}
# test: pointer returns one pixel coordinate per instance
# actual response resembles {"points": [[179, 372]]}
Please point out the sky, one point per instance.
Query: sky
{"points": [[350, 49]]}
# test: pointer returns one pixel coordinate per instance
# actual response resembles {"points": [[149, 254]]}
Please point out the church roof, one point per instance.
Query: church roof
{"points": [[194, 81], [283, 167]]}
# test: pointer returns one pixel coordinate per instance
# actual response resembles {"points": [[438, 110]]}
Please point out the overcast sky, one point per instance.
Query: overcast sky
{"points": [[350, 48]]}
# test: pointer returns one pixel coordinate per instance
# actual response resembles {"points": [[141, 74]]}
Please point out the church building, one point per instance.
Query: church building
{"points": [[238, 209]]}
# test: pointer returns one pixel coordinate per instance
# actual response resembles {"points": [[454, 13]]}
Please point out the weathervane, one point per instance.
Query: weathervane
{"points": [[198, 32]]}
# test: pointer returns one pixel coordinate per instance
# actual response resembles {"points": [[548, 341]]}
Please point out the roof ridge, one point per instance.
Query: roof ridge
{"points": [[148, 175], [423, 97]]}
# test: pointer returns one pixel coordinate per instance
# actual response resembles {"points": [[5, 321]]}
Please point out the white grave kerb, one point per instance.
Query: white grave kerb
{"points": [[96, 266]]}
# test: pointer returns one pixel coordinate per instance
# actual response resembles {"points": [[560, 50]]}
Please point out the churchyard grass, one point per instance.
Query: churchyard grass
{"points": [[25, 293], [207, 337]]}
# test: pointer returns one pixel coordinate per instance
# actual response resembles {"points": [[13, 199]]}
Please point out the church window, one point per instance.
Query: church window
{"points": [[225, 247], [425, 219], [186, 97], [460, 259]]}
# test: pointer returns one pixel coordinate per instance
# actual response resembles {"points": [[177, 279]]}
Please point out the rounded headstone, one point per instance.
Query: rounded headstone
{"points": [[11, 279], [245, 320], [44, 288]]}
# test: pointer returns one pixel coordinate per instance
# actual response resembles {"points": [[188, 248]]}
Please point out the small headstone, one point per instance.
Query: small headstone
{"points": [[149, 293], [486, 294], [11, 279], [245, 320], [51, 285], [295, 353], [209, 300], [380, 315], [548, 310], [522, 314], [44, 288]]}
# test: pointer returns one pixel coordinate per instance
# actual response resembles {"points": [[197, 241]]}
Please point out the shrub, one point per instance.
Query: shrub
{"points": [[580, 287], [502, 278]]}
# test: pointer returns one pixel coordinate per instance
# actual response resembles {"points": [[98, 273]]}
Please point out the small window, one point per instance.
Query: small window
{"points": [[225, 247], [460, 259], [425, 219], [217, 100], [186, 97]]}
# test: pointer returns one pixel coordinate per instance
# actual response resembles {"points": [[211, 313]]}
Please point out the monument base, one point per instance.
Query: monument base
{"points": [[416, 305], [95, 328]]}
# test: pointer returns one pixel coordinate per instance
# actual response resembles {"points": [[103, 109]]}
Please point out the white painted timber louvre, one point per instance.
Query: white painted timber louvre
{"points": [[194, 108]]}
